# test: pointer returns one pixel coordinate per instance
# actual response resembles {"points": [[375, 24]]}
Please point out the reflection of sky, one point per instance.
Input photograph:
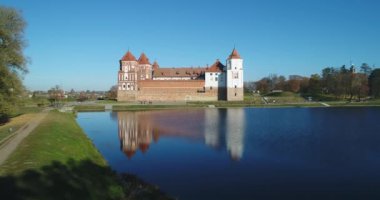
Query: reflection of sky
{"points": [[285, 153]]}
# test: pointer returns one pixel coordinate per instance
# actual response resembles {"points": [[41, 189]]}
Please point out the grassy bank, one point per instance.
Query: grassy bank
{"points": [[284, 99], [92, 107], [58, 161], [57, 138]]}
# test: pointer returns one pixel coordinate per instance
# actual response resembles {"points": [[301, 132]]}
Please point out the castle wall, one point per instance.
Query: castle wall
{"points": [[126, 95], [170, 90]]}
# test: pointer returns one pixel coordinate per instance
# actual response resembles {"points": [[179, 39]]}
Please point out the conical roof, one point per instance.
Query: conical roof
{"points": [[155, 65], [128, 57], [234, 55], [143, 59]]}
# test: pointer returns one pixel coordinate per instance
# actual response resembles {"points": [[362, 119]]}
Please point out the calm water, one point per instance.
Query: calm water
{"points": [[243, 153]]}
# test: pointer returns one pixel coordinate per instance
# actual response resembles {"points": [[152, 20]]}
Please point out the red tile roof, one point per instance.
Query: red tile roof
{"points": [[128, 57], [143, 59], [179, 72], [234, 55], [155, 65], [216, 67]]}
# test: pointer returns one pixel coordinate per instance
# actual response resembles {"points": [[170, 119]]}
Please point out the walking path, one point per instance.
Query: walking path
{"points": [[15, 139]]}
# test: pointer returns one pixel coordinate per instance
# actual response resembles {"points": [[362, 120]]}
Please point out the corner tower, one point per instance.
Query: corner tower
{"points": [[127, 75], [235, 82]]}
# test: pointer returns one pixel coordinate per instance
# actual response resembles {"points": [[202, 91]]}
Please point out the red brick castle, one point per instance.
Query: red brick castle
{"points": [[139, 80]]}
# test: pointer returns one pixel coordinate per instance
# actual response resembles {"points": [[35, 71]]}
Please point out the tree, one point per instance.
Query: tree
{"points": [[12, 60], [112, 93], [360, 85], [374, 83], [365, 69], [249, 87], [294, 85], [56, 94], [304, 85], [329, 81], [263, 85], [280, 83], [315, 85]]}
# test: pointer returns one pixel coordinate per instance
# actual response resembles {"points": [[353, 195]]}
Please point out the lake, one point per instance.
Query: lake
{"points": [[245, 153]]}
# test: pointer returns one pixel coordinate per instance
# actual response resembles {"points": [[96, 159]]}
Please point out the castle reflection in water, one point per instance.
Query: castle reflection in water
{"points": [[220, 129]]}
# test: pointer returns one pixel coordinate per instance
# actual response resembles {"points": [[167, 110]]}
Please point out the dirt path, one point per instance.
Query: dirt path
{"points": [[11, 144]]}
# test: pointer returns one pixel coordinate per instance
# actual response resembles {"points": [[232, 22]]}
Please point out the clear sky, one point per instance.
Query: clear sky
{"points": [[78, 43]]}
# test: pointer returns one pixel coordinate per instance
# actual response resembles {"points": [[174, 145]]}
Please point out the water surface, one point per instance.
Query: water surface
{"points": [[245, 153]]}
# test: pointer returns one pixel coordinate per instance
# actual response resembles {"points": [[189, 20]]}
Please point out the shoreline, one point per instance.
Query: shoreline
{"points": [[197, 105], [60, 156]]}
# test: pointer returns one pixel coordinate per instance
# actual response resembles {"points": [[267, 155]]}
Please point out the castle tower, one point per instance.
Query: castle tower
{"points": [[127, 76], [145, 68], [235, 91], [155, 65]]}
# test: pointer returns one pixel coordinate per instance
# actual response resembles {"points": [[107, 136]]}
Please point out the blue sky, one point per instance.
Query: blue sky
{"points": [[77, 44]]}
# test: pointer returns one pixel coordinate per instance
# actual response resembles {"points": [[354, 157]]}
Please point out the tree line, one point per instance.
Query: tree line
{"points": [[12, 61], [332, 83]]}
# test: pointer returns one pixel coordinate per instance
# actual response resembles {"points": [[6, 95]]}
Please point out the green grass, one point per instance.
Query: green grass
{"points": [[58, 161], [284, 97], [281, 94], [89, 108], [58, 156], [57, 138]]}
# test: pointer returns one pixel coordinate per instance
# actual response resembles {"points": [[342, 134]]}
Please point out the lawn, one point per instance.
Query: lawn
{"points": [[57, 138]]}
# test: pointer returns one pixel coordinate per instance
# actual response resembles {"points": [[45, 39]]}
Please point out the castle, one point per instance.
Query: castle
{"points": [[139, 80]]}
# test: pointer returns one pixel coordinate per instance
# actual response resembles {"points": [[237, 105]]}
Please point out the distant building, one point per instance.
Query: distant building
{"points": [[139, 80]]}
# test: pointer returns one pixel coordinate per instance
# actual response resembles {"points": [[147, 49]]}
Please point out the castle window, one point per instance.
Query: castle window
{"points": [[128, 86], [235, 94], [210, 87], [235, 86], [210, 74], [216, 78], [235, 67], [235, 75], [123, 86]]}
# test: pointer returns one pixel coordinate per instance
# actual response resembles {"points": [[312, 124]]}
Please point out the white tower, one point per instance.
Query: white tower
{"points": [[235, 83]]}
